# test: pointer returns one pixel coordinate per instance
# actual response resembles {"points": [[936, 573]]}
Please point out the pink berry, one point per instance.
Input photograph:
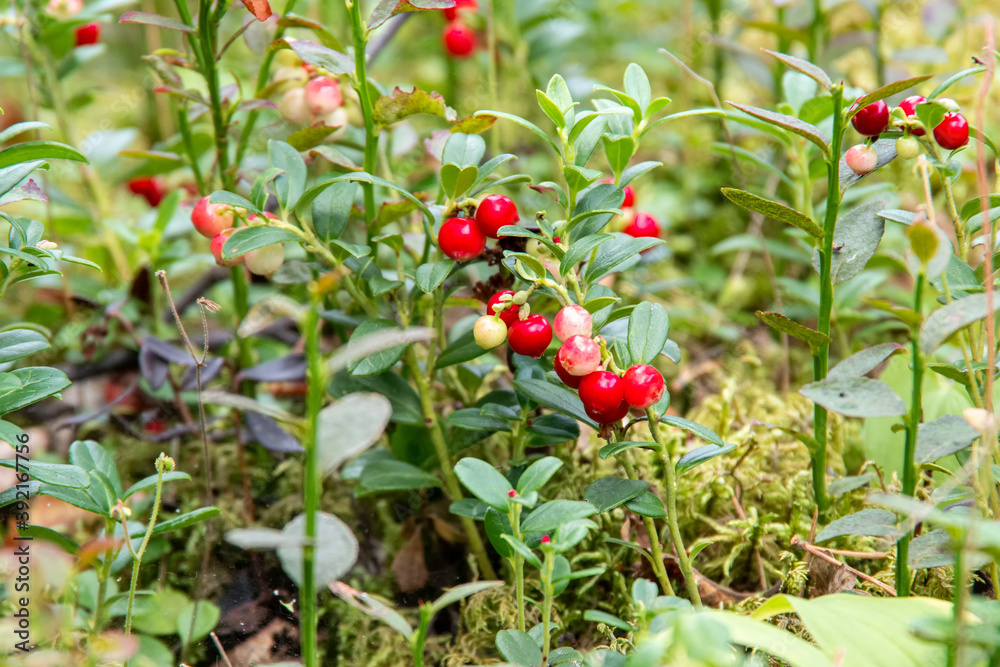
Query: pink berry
{"points": [[512, 493], [494, 212], [643, 386], [573, 320], [530, 336], [323, 95], [211, 219], [571, 381], [579, 355], [861, 159], [218, 241], [489, 332], [952, 132]]}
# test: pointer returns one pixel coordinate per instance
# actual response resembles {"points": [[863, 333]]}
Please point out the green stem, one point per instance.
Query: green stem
{"points": [[909, 451], [518, 561], [244, 345], [360, 34], [311, 482], [547, 591], [655, 545], [670, 490], [137, 557], [451, 485], [420, 636], [103, 574], [821, 355], [208, 30]]}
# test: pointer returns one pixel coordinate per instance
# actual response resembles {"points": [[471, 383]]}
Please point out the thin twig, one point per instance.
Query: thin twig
{"points": [[799, 543], [222, 651]]}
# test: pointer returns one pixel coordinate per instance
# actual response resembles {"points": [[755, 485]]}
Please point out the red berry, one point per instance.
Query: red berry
{"points": [[579, 355], [571, 381], [459, 39], [643, 386], [872, 120], [509, 315], [494, 212], [461, 7], [323, 95], [909, 107], [530, 336], [546, 539], [572, 320], [218, 241], [952, 132], [512, 493], [88, 34], [607, 416], [861, 159], [601, 391], [148, 187], [461, 239], [643, 225]]}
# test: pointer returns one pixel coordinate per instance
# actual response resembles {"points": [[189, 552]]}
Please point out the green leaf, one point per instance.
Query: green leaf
{"points": [[781, 644], [619, 151], [538, 474], [247, 239], [554, 513], [484, 482], [463, 150], [552, 429], [497, 525], [14, 174], [932, 549], [856, 397], [377, 362], [393, 476], [608, 493], [184, 520], [790, 123], [155, 20], [20, 128], [772, 209], [520, 547], [332, 61], [647, 504], [334, 553], [453, 595], [870, 522], [400, 105], [847, 484], [648, 329], [456, 180], [865, 361], [256, 538], [290, 186], [49, 535], [258, 193], [19, 343], [29, 385], [613, 255], [204, 621], [942, 437], [230, 199], [523, 123], [595, 616], [555, 396], [519, 648], [150, 482], [56, 474], [636, 171], [551, 109], [615, 448], [342, 435], [779, 322], [702, 432], [951, 318], [855, 240], [473, 419], [464, 348], [637, 86], [698, 456], [580, 249], [804, 66], [885, 91], [404, 399], [386, 9], [331, 210], [430, 276]]}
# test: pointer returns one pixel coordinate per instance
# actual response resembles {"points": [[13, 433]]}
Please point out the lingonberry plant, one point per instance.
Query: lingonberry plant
{"points": [[445, 404]]}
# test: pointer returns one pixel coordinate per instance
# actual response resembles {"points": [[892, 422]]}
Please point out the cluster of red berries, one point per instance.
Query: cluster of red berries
{"points": [[463, 239], [607, 397], [215, 221], [459, 39], [950, 133], [87, 34], [641, 224]]}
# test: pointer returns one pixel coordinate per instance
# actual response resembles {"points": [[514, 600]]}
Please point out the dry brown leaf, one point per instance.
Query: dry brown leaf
{"points": [[409, 565], [261, 648], [826, 578]]}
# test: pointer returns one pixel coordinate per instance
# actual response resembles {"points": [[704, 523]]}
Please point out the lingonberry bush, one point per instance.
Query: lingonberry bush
{"points": [[452, 379]]}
